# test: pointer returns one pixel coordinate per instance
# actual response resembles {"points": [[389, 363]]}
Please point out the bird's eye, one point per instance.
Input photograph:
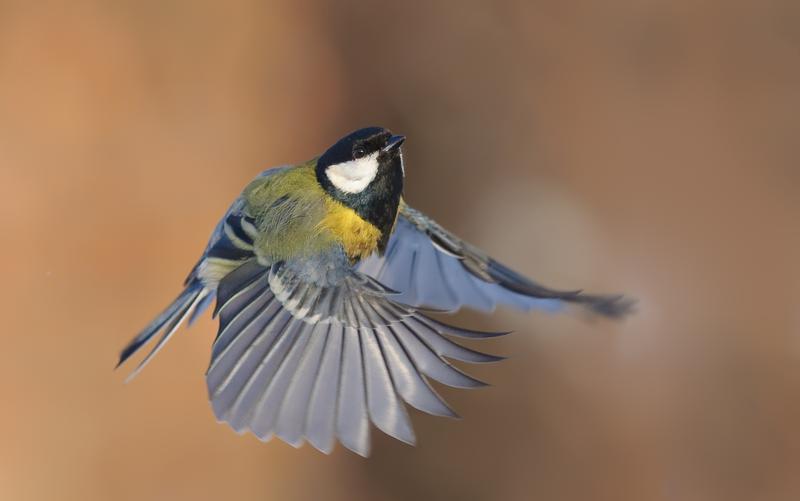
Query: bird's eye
{"points": [[359, 152]]}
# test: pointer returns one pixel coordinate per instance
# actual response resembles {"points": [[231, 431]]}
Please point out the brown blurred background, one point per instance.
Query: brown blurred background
{"points": [[645, 147]]}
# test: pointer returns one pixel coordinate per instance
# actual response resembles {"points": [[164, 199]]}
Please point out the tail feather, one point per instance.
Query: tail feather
{"points": [[201, 307], [192, 298]]}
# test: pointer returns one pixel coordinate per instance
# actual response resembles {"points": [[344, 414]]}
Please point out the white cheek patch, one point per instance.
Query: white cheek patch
{"points": [[355, 175]]}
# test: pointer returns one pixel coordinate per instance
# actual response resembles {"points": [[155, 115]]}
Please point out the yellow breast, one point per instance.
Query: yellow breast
{"points": [[358, 237]]}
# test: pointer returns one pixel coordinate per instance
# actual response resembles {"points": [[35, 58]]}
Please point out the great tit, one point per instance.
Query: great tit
{"points": [[322, 275]]}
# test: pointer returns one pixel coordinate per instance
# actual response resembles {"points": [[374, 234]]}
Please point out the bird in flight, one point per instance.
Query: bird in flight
{"points": [[322, 276]]}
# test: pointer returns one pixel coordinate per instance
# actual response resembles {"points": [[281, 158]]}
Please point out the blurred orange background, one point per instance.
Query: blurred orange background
{"points": [[643, 147]]}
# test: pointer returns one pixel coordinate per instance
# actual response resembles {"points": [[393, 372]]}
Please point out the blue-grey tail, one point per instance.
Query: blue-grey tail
{"points": [[194, 299]]}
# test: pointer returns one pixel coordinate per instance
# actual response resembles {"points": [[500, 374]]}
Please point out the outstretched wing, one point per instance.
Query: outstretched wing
{"points": [[433, 268], [307, 359]]}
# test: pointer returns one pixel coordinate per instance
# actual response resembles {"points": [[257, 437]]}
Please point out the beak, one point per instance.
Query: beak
{"points": [[394, 143]]}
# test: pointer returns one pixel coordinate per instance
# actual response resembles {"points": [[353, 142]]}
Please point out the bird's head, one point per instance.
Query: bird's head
{"points": [[362, 162]]}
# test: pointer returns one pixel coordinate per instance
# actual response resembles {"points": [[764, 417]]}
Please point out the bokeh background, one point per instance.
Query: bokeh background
{"points": [[648, 147]]}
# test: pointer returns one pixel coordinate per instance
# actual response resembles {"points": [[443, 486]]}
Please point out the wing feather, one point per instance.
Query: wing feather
{"points": [[293, 410], [236, 336], [430, 363], [352, 420], [265, 411], [320, 421], [233, 320], [433, 268], [309, 361], [228, 379], [408, 381], [267, 362]]}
